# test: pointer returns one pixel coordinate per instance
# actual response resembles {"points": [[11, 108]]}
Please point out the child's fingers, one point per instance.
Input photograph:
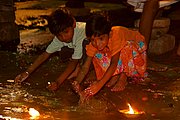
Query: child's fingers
{"points": [[84, 98], [88, 93], [88, 97], [17, 79], [76, 86], [21, 77]]}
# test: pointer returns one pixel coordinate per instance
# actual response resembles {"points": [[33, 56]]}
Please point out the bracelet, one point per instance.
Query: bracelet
{"points": [[27, 72]]}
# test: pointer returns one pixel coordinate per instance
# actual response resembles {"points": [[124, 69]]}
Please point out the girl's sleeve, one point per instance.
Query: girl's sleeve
{"points": [[117, 39], [90, 50]]}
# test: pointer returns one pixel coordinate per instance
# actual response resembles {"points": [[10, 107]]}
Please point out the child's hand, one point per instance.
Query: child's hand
{"points": [[53, 86], [76, 86], [92, 90], [21, 77]]}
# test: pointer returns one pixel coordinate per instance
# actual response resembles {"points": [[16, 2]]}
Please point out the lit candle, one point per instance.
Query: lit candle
{"points": [[131, 112], [34, 113]]}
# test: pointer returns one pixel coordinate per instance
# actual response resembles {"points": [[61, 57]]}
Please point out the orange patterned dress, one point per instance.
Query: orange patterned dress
{"points": [[132, 48]]}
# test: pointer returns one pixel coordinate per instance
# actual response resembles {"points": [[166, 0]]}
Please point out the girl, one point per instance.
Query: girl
{"points": [[116, 53]]}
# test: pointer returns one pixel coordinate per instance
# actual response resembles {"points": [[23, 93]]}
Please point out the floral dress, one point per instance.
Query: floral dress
{"points": [[132, 48]]}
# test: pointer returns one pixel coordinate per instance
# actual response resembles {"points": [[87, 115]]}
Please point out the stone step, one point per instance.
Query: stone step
{"points": [[158, 23], [162, 45], [157, 32]]}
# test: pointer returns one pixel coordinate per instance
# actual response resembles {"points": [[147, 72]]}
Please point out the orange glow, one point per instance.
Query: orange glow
{"points": [[130, 111], [34, 113]]}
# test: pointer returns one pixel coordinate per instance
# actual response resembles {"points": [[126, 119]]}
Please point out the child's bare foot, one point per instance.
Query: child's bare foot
{"points": [[121, 83], [112, 81], [155, 66]]}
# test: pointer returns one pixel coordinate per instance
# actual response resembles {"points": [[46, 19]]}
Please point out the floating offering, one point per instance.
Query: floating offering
{"points": [[131, 113], [49, 83], [34, 113], [10, 81]]}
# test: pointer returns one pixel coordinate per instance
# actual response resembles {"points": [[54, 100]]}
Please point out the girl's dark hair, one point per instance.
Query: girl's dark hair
{"points": [[97, 25], [59, 20]]}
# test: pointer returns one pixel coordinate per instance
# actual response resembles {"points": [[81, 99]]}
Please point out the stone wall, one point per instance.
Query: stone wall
{"points": [[8, 29]]}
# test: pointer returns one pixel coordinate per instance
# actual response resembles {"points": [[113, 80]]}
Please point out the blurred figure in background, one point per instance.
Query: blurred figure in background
{"points": [[149, 9]]}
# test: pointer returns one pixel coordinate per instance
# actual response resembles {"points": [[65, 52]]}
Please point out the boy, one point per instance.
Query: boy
{"points": [[68, 33]]}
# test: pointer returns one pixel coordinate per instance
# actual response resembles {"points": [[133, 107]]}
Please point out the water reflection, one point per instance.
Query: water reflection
{"points": [[16, 100]]}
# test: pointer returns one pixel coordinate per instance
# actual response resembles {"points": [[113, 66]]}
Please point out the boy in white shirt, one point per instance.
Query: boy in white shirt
{"points": [[69, 35]]}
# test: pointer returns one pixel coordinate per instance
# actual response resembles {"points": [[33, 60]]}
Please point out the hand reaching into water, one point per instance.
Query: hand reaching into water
{"points": [[76, 86], [90, 91], [21, 77]]}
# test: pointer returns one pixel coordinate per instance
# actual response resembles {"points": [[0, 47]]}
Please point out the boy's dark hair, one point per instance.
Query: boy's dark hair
{"points": [[59, 20], [97, 25]]}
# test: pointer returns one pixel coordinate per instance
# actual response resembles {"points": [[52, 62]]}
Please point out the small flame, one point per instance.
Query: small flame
{"points": [[131, 111], [34, 113]]}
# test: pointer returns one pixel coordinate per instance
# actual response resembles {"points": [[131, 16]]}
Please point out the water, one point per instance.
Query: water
{"points": [[158, 97]]}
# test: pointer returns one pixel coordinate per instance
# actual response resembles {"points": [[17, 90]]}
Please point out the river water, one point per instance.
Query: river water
{"points": [[158, 96]]}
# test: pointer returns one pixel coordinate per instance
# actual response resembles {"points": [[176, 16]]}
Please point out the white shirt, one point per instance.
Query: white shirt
{"points": [[138, 4], [76, 44]]}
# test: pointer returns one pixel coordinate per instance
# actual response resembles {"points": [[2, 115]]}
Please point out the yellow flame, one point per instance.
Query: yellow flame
{"points": [[34, 113], [131, 111]]}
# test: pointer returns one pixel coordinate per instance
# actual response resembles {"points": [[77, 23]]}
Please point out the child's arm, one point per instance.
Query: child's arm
{"points": [[93, 89], [82, 73], [23, 76], [69, 69], [84, 70], [113, 66]]}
